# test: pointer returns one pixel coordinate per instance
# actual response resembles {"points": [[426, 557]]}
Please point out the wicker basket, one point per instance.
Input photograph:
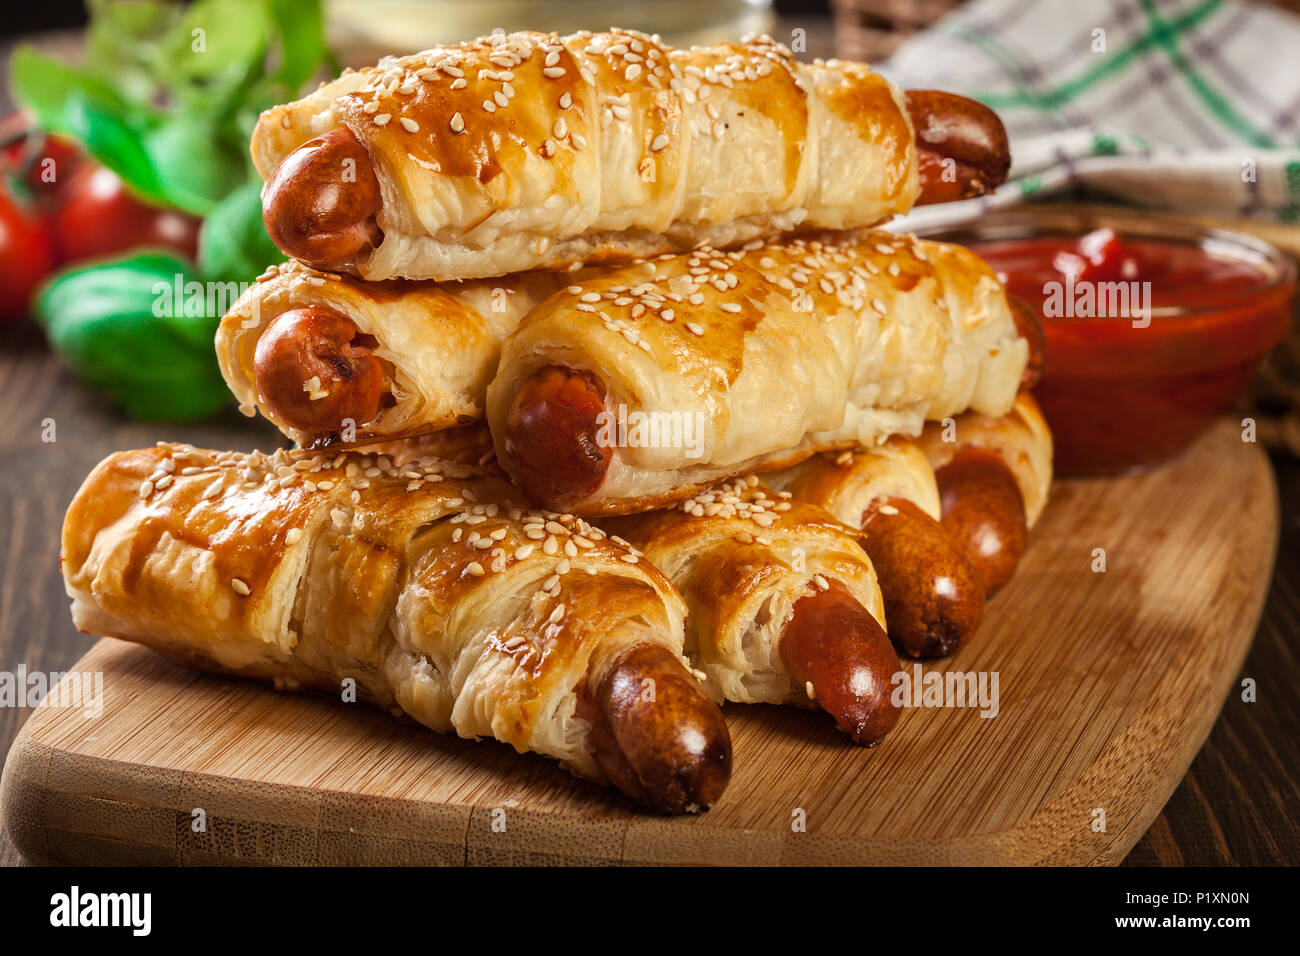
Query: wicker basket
{"points": [[870, 30]]}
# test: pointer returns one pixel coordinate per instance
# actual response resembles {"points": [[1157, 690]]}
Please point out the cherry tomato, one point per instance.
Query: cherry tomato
{"points": [[26, 256], [96, 216], [41, 161]]}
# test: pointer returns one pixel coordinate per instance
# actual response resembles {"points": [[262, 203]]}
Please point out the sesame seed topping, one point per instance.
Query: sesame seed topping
{"points": [[293, 536], [731, 307], [475, 569], [382, 119], [457, 123], [241, 587], [553, 72], [659, 142]]}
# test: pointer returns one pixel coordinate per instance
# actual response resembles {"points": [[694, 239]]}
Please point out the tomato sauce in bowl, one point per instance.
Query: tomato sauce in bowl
{"points": [[1152, 328]]}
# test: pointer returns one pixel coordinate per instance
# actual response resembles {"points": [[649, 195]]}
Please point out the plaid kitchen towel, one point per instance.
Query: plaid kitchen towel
{"points": [[1191, 105]]}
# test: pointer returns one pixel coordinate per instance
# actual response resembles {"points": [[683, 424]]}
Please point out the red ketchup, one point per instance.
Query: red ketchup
{"points": [[1148, 339]]}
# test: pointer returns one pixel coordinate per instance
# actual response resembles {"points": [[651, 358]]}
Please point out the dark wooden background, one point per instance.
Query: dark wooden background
{"points": [[1239, 804]]}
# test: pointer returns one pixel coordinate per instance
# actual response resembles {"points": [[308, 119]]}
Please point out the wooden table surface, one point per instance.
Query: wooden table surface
{"points": [[1239, 804]]}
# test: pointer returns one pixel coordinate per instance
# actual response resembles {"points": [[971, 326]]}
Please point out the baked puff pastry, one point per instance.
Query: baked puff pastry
{"points": [[424, 584], [945, 518], [527, 150], [643, 385], [330, 359], [784, 605]]}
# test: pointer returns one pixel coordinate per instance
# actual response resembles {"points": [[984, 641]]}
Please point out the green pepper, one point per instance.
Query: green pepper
{"points": [[139, 328]]}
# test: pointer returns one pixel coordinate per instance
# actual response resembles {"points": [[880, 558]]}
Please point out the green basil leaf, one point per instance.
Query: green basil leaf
{"points": [[233, 244], [118, 143], [218, 38], [301, 31], [192, 168], [46, 86], [121, 327], [123, 42]]}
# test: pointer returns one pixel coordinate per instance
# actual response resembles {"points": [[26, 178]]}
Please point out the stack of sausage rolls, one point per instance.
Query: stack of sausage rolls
{"points": [[609, 405]]}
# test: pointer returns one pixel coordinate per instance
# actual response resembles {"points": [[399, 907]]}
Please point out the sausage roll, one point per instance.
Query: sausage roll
{"points": [[331, 359], [423, 586], [941, 543], [642, 385], [513, 152], [784, 606], [993, 475]]}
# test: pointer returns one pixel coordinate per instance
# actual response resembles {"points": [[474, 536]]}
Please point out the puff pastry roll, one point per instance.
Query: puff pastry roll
{"points": [[424, 584], [940, 543], [642, 385], [331, 359], [784, 605], [993, 474], [518, 151], [933, 595]]}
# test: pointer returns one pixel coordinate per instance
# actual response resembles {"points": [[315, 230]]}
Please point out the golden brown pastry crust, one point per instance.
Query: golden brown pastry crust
{"points": [[439, 342], [425, 584], [775, 352], [845, 483], [742, 555], [527, 150]]}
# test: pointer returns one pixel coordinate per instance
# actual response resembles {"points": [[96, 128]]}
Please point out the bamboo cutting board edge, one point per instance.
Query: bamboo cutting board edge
{"points": [[59, 805]]}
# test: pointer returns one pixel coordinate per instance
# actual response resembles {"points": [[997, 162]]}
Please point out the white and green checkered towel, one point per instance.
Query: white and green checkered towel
{"points": [[1191, 105]]}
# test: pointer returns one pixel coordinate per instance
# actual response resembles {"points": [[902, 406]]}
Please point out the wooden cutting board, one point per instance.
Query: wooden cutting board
{"points": [[1108, 684]]}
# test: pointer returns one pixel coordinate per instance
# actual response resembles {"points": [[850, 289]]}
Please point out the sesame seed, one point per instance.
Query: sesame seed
{"points": [[523, 551], [489, 106], [457, 123], [557, 615], [731, 307], [808, 689], [629, 558], [696, 328], [560, 128], [293, 536], [500, 98], [552, 58], [566, 101], [241, 587], [659, 142], [475, 569], [459, 83], [888, 510], [553, 72], [550, 545], [382, 119]]}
